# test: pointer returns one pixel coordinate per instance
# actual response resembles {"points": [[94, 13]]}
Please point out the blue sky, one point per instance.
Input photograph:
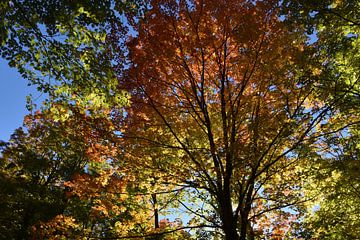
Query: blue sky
{"points": [[13, 92]]}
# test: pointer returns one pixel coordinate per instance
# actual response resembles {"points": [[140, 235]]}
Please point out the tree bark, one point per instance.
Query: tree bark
{"points": [[243, 227], [227, 217], [245, 223]]}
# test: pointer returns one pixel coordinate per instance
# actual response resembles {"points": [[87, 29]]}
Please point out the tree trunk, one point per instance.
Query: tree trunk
{"points": [[245, 223], [156, 211], [228, 219], [243, 227], [231, 233]]}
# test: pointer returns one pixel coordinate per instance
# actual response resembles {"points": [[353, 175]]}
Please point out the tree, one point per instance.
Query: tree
{"points": [[61, 46], [334, 186], [336, 49], [222, 103], [63, 179], [34, 164], [26, 196]]}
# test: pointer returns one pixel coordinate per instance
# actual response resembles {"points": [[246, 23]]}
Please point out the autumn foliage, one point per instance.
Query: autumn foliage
{"points": [[214, 93], [206, 119]]}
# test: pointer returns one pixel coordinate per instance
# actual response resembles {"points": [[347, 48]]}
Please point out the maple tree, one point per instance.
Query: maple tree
{"points": [[221, 99]]}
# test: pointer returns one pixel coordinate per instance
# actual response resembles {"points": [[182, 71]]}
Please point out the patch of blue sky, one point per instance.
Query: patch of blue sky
{"points": [[13, 92]]}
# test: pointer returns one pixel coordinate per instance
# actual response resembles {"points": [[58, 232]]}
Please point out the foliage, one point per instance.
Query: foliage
{"points": [[220, 95], [63, 179], [220, 114], [336, 49], [33, 164], [60, 46]]}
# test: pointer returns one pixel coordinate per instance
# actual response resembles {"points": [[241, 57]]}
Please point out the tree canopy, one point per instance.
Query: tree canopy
{"points": [[184, 120]]}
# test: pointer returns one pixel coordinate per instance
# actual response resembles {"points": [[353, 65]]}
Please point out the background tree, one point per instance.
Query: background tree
{"points": [[60, 46], [64, 179], [335, 187], [335, 27]]}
